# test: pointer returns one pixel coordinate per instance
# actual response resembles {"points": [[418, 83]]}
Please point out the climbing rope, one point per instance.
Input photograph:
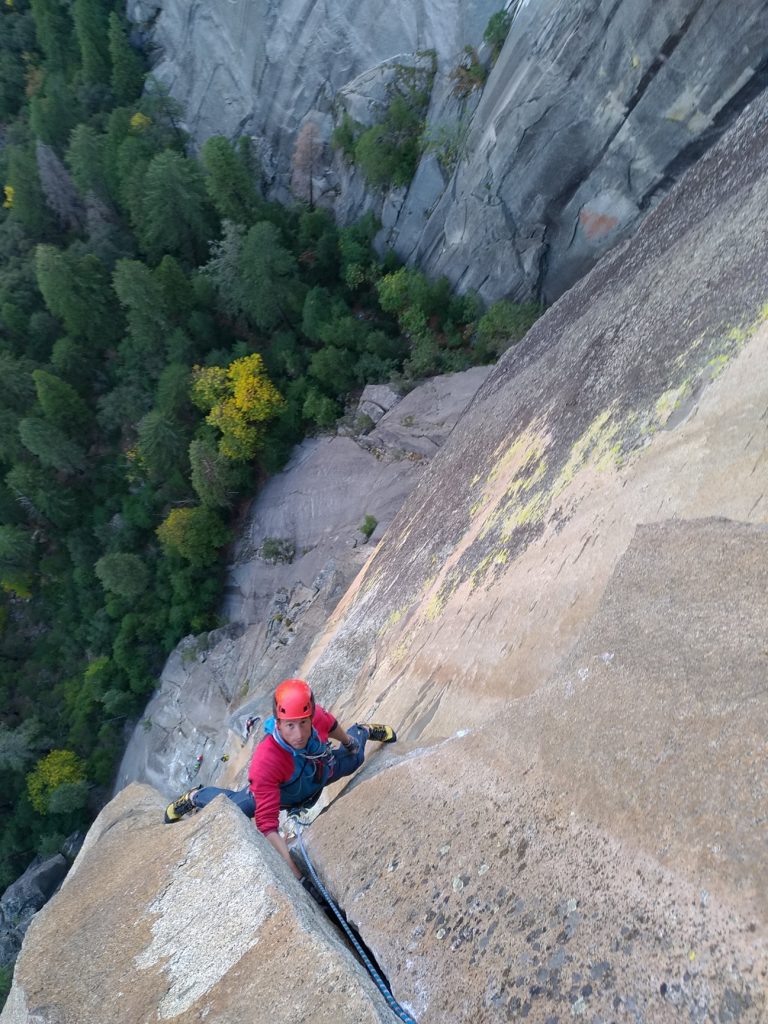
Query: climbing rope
{"points": [[391, 1001]]}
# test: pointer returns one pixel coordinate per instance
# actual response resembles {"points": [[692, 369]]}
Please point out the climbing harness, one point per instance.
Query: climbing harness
{"points": [[312, 768], [393, 1004]]}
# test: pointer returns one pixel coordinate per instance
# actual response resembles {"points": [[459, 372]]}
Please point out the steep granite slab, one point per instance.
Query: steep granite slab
{"points": [[598, 850], [640, 395], [317, 504], [185, 923]]}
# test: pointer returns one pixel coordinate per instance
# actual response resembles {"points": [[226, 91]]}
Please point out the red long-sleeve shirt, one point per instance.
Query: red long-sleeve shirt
{"points": [[272, 766]]}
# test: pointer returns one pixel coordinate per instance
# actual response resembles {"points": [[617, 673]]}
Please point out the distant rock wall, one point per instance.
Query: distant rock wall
{"points": [[591, 112]]}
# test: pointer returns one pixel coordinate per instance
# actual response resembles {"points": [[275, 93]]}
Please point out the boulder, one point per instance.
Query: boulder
{"points": [[422, 420], [22, 900], [210, 926], [375, 400]]}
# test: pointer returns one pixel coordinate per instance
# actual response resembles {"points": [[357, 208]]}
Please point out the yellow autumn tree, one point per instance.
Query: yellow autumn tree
{"points": [[194, 533], [239, 400], [57, 769]]}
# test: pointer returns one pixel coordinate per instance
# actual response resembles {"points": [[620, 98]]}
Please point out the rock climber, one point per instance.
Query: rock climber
{"points": [[250, 723], [292, 764]]}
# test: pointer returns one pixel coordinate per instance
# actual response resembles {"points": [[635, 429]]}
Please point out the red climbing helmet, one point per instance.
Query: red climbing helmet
{"points": [[293, 699]]}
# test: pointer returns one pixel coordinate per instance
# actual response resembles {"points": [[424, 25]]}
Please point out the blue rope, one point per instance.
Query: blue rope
{"points": [[391, 1001]]}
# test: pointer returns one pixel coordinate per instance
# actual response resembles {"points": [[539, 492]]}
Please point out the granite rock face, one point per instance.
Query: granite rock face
{"points": [[266, 69], [200, 929], [275, 607], [599, 854], [592, 111], [565, 623]]}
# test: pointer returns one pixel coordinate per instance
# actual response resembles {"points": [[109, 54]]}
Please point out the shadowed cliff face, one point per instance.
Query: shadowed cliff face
{"points": [[592, 111]]}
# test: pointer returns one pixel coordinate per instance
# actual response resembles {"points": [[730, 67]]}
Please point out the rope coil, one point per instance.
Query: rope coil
{"points": [[378, 980]]}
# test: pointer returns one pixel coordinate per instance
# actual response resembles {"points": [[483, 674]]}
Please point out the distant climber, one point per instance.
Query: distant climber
{"points": [[292, 765], [250, 724]]}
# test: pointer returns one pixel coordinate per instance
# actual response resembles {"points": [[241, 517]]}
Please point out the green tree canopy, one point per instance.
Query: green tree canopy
{"points": [[127, 65], [42, 496], [229, 182], [60, 402], [124, 574], [91, 20], [58, 768], [177, 216], [17, 746], [86, 159], [215, 478], [55, 35], [45, 440], [29, 207], [269, 278], [239, 399], [77, 290], [162, 443], [194, 533]]}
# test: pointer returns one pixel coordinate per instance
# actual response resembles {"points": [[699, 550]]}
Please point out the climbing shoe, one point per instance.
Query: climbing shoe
{"points": [[176, 810], [380, 733]]}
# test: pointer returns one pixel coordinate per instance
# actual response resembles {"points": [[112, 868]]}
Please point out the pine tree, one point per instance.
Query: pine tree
{"points": [[77, 290], [55, 36], [214, 477], [41, 495], [90, 18], [161, 444], [176, 215], [54, 111], [60, 402], [29, 206], [127, 65], [51, 446], [140, 294], [270, 290], [86, 159], [229, 182]]}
